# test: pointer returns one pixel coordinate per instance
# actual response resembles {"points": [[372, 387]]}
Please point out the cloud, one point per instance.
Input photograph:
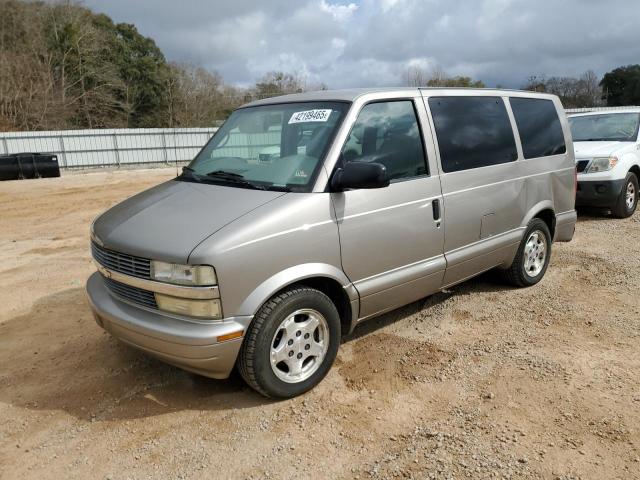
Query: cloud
{"points": [[340, 13], [371, 42]]}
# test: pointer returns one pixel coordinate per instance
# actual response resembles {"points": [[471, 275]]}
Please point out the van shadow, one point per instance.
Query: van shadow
{"points": [[592, 213], [487, 282], [56, 358]]}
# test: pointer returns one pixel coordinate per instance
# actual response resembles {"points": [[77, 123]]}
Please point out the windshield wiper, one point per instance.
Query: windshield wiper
{"points": [[278, 188], [230, 177], [222, 173], [235, 178]]}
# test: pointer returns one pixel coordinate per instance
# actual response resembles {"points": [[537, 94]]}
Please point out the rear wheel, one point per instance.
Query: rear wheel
{"points": [[628, 199], [291, 343], [532, 259]]}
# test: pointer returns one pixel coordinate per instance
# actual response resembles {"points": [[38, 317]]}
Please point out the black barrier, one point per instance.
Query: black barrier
{"points": [[19, 166]]}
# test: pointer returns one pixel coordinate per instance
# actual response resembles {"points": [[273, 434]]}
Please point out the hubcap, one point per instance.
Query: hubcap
{"points": [[299, 345], [630, 197], [535, 253]]}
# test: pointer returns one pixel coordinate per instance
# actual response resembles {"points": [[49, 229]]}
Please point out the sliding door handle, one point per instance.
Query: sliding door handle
{"points": [[435, 204]]}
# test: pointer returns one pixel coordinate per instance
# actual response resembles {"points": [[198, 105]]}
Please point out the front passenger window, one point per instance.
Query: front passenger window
{"points": [[388, 133]]}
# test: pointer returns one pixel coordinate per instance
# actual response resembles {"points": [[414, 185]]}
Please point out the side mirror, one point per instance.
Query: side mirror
{"points": [[360, 175]]}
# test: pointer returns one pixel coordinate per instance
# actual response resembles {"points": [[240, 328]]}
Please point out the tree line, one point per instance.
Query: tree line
{"points": [[63, 66], [619, 87], [616, 88]]}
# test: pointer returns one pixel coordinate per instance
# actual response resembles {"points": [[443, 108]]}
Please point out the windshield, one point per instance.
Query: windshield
{"points": [[616, 127], [271, 147]]}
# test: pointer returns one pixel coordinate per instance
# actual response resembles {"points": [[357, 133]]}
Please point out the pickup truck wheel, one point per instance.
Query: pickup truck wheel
{"points": [[291, 343], [628, 199], [532, 258]]}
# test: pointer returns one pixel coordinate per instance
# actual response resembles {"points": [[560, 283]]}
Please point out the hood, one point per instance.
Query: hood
{"points": [[168, 221], [596, 149]]}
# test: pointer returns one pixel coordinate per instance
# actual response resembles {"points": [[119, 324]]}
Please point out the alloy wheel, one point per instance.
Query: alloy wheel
{"points": [[535, 253], [299, 345]]}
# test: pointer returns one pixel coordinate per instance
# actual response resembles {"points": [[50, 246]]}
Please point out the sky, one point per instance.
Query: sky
{"points": [[363, 43]]}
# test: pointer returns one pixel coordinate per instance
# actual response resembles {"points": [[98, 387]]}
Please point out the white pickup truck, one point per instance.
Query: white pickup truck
{"points": [[607, 150]]}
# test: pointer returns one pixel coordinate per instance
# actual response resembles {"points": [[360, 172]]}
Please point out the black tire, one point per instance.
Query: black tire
{"points": [[254, 358], [516, 274], [621, 209]]}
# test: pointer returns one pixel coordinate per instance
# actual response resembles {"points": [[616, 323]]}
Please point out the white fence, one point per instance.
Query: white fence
{"points": [[110, 147]]}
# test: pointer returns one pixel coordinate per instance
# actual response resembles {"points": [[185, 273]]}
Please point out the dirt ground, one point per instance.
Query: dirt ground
{"points": [[482, 381]]}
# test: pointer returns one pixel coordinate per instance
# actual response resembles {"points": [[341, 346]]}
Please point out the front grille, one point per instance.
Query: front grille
{"points": [[133, 294], [581, 165], [121, 262]]}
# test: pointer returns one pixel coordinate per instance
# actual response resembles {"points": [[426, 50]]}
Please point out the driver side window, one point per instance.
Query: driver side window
{"points": [[388, 133]]}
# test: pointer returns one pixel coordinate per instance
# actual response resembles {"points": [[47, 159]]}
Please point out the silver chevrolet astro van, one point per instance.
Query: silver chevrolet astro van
{"points": [[307, 214]]}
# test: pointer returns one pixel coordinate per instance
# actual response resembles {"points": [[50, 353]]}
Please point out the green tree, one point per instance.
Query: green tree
{"points": [[141, 67], [622, 86], [65, 67]]}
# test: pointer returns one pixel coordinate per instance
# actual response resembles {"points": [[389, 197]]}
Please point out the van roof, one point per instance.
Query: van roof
{"points": [[349, 95]]}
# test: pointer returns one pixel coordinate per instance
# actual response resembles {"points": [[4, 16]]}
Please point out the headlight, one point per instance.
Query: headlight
{"points": [[602, 164], [191, 275], [193, 308]]}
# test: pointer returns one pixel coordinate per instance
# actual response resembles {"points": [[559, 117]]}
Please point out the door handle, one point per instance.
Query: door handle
{"points": [[435, 204]]}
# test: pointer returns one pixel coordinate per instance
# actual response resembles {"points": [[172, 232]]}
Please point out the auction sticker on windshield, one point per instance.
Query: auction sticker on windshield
{"points": [[317, 115]]}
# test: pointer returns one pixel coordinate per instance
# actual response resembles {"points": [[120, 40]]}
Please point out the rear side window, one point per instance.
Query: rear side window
{"points": [[539, 127], [472, 132]]}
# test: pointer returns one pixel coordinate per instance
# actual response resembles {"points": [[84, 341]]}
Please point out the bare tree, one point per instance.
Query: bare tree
{"points": [[438, 77], [415, 76], [591, 90], [198, 97], [26, 82], [584, 91]]}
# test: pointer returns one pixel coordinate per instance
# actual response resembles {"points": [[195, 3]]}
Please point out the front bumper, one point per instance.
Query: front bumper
{"points": [[191, 345], [598, 193]]}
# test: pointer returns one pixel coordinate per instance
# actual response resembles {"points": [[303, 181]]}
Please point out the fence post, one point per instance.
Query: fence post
{"points": [[63, 152], [165, 154], [6, 145], [115, 148]]}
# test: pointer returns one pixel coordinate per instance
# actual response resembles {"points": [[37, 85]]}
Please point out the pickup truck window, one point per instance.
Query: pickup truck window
{"points": [[271, 147], [539, 127], [472, 132], [614, 127]]}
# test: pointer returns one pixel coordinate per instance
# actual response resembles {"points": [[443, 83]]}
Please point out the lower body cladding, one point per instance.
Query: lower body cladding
{"points": [[191, 345], [565, 226], [599, 193]]}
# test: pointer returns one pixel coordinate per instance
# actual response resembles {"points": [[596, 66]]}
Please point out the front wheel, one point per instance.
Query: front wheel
{"points": [[291, 343], [628, 199], [533, 255]]}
